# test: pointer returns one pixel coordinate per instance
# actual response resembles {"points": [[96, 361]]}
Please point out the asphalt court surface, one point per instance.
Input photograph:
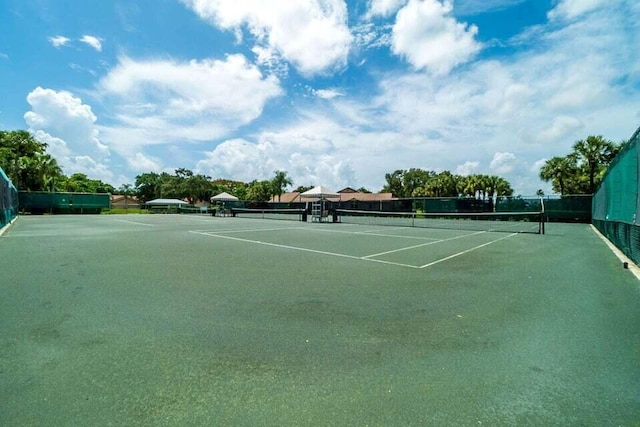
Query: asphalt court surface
{"points": [[199, 320]]}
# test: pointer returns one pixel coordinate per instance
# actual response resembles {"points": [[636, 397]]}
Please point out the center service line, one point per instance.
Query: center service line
{"points": [[422, 244], [467, 251]]}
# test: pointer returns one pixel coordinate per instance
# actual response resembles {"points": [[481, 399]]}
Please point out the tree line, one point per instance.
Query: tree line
{"points": [[423, 183], [25, 160], [582, 170]]}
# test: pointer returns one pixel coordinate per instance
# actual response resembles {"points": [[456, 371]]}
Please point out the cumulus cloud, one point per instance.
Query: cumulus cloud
{"points": [[311, 34], [141, 163], [429, 37], [67, 125], [468, 168], [65, 116], [308, 153], [384, 8], [161, 101], [94, 42], [58, 41]]}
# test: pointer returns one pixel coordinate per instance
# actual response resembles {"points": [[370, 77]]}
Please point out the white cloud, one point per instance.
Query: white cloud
{"points": [[67, 125], [94, 42], [537, 165], [307, 151], [468, 168], [328, 93], [503, 163], [384, 8], [570, 9], [162, 101], [311, 34], [240, 159], [429, 37], [269, 59], [141, 163], [58, 41], [65, 116], [560, 128]]}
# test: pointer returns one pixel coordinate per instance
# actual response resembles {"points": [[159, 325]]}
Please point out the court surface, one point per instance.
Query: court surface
{"points": [[196, 320]]}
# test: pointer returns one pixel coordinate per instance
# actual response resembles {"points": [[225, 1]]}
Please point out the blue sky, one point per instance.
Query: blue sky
{"points": [[333, 92]]}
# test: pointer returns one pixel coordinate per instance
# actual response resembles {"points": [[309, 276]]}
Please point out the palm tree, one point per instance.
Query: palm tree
{"points": [[558, 170], [280, 182], [595, 152], [49, 171], [124, 190]]}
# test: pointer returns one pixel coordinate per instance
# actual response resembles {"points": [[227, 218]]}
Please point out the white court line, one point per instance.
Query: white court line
{"points": [[423, 244], [618, 253], [467, 251], [6, 227], [258, 242], [134, 222], [246, 230]]}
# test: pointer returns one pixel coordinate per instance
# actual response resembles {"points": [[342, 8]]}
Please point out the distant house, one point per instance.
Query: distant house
{"points": [[118, 202]]}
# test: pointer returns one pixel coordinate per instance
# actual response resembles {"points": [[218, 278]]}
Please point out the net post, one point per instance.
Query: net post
{"points": [[543, 216]]}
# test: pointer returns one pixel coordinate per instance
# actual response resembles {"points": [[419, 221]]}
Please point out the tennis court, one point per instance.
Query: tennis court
{"points": [[200, 320]]}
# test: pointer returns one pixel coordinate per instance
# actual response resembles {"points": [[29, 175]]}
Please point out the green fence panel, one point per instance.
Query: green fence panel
{"points": [[43, 202], [8, 200], [616, 204]]}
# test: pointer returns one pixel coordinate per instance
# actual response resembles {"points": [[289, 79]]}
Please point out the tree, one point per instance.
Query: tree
{"points": [[259, 191], [594, 154], [80, 183], [558, 170], [125, 190], [25, 161], [303, 188], [198, 188], [280, 182], [580, 171], [146, 186], [394, 183]]}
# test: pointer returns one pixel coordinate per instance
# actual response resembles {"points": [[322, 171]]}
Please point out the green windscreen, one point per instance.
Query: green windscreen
{"points": [[616, 204], [8, 200], [45, 202]]}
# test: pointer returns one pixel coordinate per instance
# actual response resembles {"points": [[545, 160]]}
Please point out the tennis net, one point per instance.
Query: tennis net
{"points": [[281, 214], [511, 222]]}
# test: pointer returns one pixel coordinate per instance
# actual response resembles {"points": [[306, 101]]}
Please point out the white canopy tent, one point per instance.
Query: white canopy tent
{"points": [[224, 197], [221, 200], [320, 194]]}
